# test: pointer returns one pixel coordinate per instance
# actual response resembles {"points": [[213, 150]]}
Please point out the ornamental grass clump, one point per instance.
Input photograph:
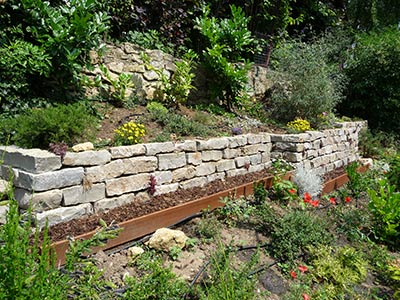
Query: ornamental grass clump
{"points": [[129, 133]]}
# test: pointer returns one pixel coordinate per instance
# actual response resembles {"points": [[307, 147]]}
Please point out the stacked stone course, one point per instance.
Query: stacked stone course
{"points": [[89, 182]]}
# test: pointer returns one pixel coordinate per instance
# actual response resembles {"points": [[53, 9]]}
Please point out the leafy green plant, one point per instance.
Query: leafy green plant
{"points": [[235, 210], [156, 108], [175, 252], [385, 208], [393, 175], [150, 39], [37, 128], [129, 133], [208, 227], [260, 192], [283, 190]]}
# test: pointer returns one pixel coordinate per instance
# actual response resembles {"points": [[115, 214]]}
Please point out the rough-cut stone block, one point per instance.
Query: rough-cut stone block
{"points": [[205, 169], [194, 182], [315, 135], [4, 186], [255, 159], [189, 146], [242, 161], [156, 148], [127, 151], [183, 173], [295, 138], [216, 176], [256, 168], [254, 138], [50, 180], [194, 158], [295, 147], [224, 165], [3, 213], [39, 201], [142, 164], [78, 194], [252, 149], [171, 161], [231, 153], [236, 172], [87, 158], [211, 155], [167, 188], [266, 138], [113, 169], [237, 141], [109, 203], [63, 214], [31, 160], [127, 184], [163, 177], [213, 144], [293, 156]]}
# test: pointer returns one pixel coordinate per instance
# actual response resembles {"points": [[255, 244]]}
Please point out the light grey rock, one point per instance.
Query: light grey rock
{"points": [[189, 146], [156, 148], [211, 155], [110, 203], [116, 67], [163, 177], [83, 147], [127, 151], [39, 201], [63, 214], [150, 75], [50, 180], [231, 153], [87, 158], [194, 158], [3, 213], [171, 161], [194, 182], [255, 159], [141, 164], [237, 141], [236, 172], [4, 186], [295, 138], [78, 194], [224, 165], [167, 188], [165, 239], [254, 138], [293, 157], [205, 169], [183, 173], [31, 160], [242, 161], [252, 149], [127, 184], [134, 252], [111, 170], [216, 176], [213, 144]]}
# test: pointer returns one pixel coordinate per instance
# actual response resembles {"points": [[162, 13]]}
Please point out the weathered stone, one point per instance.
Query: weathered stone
{"points": [[163, 177], [183, 173], [134, 68], [231, 153], [3, 213], [63, 214], [165, 239], [216, 176], [190, 146], [293, 156], [134, 252], [171, 161], [254, 138], [113, 169], [255, 159], [127, 184], [237, 141], [213, 144], [140, 164], [4, 186], [156, 148], [194, 158], [39, 201], [236, 172], [127, 151], [150, 75], [110, 203], [205, 169], [252, 149], [194, 182], [83, 147], [295, 147], [295, 138], [31, 160], [78, 194], [116, 67], [211, 155], [256, 168], [227, 164], [49, 180], [265, 157], [242, 161], [167, 188], [87, 158]]}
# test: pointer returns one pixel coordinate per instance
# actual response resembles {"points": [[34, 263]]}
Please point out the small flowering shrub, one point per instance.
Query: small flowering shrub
{"points": [[284, 191], [299, 125], [129, 133]]}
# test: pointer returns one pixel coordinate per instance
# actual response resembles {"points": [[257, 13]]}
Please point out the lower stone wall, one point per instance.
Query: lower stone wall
{"points": [[88, 182]]}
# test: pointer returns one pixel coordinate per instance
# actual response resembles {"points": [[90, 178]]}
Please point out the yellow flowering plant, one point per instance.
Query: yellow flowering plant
{"points": [[129, 133], [299, 125]]}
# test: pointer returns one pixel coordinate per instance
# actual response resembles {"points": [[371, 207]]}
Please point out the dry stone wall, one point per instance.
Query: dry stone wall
{"points": [[93, 181]]}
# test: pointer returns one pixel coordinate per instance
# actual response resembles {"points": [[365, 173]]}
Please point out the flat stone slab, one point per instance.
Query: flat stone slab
{"points": [[87, 158], [31, 160], [63, 214], [39, 201], [78, 194]]}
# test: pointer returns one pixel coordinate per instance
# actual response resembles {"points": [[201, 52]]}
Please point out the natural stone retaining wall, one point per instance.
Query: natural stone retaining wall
{"points": [[93, 181]]}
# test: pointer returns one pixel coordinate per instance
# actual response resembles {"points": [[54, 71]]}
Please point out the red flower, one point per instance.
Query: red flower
{"points": [[314, 203], [347, 199], [292, 191], [306, 297], [293, 274], [307, 198], [303, 269], [332, 200]]}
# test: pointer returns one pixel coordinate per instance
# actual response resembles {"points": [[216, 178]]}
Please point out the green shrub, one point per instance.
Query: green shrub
{"points": [[37, 128], [296, 231], [393, 175], [373, 92], [156, 108]]}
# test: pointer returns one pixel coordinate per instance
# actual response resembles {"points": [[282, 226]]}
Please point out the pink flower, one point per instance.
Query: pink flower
{"points": [[332, 200], [305, 296], [303, 269], [293, 274], [347, 199]]}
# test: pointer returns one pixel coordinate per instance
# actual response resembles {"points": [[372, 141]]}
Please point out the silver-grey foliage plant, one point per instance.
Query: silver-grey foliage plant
{"points": [[308, 181]]}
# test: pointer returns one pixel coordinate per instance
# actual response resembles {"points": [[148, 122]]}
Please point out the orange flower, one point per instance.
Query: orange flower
{"points": [[293, 274], [292, 191], [303, 269]]}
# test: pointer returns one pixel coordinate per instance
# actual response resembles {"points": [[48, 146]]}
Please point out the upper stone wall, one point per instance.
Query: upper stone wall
{"points": [[93, 181]]}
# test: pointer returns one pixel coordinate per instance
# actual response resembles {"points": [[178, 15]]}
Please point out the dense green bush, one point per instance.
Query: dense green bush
{"points": [[374, 92], [37, 128], [305, 83]]}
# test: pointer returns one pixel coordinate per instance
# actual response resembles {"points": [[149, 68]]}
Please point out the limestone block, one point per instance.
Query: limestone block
{"points": [[242, 161], [4, 186], [116, 67], [83, 147], [255, 159], [194, 158], [211, 155], [31, 160], [226, 164], [276, 155], [328, 141], [87, 158], [183, 173], [171, 161], [236, 172], [316, 144], [78, 194], [252, 149], [167, 188], [254, 138], [265, 157], [3, 213], [294, 147], [156, 148], [134, 252], [63, 214], [127, 151], [237, 141], [265, 138], [310, 154], [110, 203], [295, 138], [205, 169], [163, 177], [39, 201], [256, 168], [141, 164], [194, 182], [338, 164], [314, 135], [213, 144], [189, 146], [150, 75], [131, 48], [134, 68], [165, 239], [293, 156], [113, 169], [216, 176], [230, 153], [49, 180], [127, 184]]}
